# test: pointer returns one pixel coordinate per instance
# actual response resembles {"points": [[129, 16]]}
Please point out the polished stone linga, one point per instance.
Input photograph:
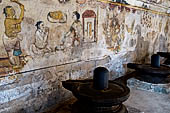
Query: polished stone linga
{"points": [[98, 95]]}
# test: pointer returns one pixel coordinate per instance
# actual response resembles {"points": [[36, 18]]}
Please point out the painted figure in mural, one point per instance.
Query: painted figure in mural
{"points": [[160, 44], [57, 17], [40, 43], [12, 37], [140, 46], [75, 32], [112, 30]]}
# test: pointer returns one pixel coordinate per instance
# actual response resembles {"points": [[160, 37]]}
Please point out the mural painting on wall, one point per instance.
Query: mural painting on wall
{"points": [[89, 26], [57, 17], [120, 1], [92, 3], [112, 29], [146, 20], [156, 1], [167, 33], [130, 29], [81, 2], [72, 38], [166, 27], [40, 43], [141, 46], [12, 37], [63, 1]]}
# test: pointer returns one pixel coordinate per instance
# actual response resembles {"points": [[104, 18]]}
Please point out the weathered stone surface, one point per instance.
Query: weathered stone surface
{"points": [[103, 62]]}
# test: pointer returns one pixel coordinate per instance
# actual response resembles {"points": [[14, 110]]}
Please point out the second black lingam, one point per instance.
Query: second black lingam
{"points": [[98, 95], [152, 73]]}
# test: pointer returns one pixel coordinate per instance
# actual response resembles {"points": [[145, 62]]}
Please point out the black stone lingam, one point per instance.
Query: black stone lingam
{"points": [[152, 73], [98, 95], [100, 78]]}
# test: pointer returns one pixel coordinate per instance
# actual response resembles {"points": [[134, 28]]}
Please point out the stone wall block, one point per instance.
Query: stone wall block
{"points": [[103, 62]]}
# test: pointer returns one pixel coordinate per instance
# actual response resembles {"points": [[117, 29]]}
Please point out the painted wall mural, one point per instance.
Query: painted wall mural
{"points": [[73, 37], [40, 38], [63, 1], [57, 17], [114, 29], [146, 20], [89, 26], [81, 1], [40, 44], [120, 29], [68, 33], [12, 37]]}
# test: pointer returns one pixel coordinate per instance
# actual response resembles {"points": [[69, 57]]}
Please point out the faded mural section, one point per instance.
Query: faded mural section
{"points": [[47, 32], [128, 29], [44, 42]]}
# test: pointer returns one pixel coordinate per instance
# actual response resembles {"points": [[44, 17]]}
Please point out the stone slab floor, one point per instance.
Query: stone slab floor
{"points": [[149, 102], [139, 102]]}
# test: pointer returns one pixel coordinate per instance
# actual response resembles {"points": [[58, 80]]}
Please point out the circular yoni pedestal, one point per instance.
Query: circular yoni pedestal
{"points": [[101, 96], [152, 73]]}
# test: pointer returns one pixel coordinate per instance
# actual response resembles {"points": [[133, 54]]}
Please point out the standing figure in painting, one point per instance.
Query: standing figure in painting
{"points": [[75, 32], [72, 40], [12, 37], [112, 30], [40, 43], [139, 44]]}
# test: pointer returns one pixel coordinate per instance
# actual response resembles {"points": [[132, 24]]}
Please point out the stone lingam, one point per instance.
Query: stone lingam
{"points": [[98, 95], [151, 73]]}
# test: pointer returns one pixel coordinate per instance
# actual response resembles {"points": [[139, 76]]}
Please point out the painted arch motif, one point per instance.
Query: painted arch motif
{"points": [[89, 26]]}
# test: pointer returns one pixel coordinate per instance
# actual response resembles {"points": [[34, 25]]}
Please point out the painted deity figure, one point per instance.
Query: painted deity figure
{"points": [[112, 30], [40, 43], [12, 38], [139, 44], [74, 34]]}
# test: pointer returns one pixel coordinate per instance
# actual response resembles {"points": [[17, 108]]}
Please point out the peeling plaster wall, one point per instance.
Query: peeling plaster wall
{"points": [[70, 45]]}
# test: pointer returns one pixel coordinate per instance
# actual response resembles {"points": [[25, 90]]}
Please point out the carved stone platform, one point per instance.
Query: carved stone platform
{"points": [[98, 95], [91, 100]]}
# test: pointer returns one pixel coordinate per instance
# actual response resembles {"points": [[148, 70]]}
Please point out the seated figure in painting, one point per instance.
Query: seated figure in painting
{"points": [[12, 38], [40, 43]]}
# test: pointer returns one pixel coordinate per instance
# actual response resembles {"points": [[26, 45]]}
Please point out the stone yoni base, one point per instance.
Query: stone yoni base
{"points": [[159, 88]]}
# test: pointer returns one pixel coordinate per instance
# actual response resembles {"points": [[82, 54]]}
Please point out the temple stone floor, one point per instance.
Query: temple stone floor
{"points": [[140, 101]]}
